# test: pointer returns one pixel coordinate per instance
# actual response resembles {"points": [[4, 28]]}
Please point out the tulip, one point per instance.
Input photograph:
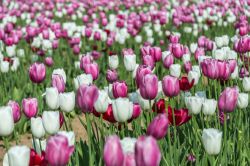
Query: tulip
{"points": [[70, 136], [185, 85], [228, 99], [49, 61], [111, 76], [170, 86], [85, 60], [193, 76], [136, 111], [108, 115], [122, 109], [52, 98], [149, 86], [86, 97], [37, 158], [67, 101], [112, 153], [177, 50], [149, 61], [30, 107], [113, 62], [58, 150], [60, 72], [37, 72], [83, 79], [140, 72], [92, 69], [6, 121], [51, 121], [175, 70], [102, 102], [194, 104], [130, 62], [181, 116], [158, 127], [147, 152], [246, 84], [209, 106], [168, 59], [119, 89], [58, 82], [156, 53], [19, 156], [16, 112], [4, 66], [37, 128], [129, 159], [242, 101], [211, 139], [145, 104]]}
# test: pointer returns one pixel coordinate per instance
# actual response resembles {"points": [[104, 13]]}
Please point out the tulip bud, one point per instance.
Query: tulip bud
{"points": [[92, 69], [52, 98], [19, 156], [4, 66], [228, 99], [211, 139], [111, 76], [16, 112], [67, 101], [37, 72], [122, 109], [149, 86], [130, 62], [119, 89], [194, 104], [37, 127], [170, 86], [49, 61], [60, 72], [113, 62], [158, 127], [30, 107], [51, 121], [6, 121], [209, 106], [246, 84], [242, 101], [175, 70], [86, 79], [168, 59], [102, 102], [58, 82]]}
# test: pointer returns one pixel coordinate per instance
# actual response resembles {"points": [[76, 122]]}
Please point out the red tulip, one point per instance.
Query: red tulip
{"points": [[185, 85], [36, 159], [181, 116]]}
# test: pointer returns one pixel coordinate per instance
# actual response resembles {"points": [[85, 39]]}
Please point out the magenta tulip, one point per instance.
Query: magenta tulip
{"points": [[37, 72], [58, 82], [148, 60], [49, 61], [119, 89], [149, 86], [156, 53], [168, 61], [111, 76], [158, 127], [140, 72], [177, 50], [228, 99], [16, 111], [30, 107], [92, 69], [170, 86]]}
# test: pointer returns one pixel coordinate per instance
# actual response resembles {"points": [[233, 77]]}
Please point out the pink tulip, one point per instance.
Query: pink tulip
{"points": [[174, 39], [88, 32], [168, 61], [119, 89], [111, 75], [58, 82], [158, 127], [243, 72], [92, 69], [16, 111], [224, 70], [140, 72], [187, 66], [30, 107], [199, 52], [37, 72], [129, 159], [210, 68], [170, 86], [156, 53], [228, 99], [149, 86], [85, 60], [148, 60], [177, 50], [86, 97], [58, 150], [113, 154], [49, 61], [147, 152], [76, 49], [97, 36], [136, 111]]}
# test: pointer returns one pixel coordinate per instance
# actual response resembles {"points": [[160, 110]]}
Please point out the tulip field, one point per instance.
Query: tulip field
{"points": [[124, 82]]}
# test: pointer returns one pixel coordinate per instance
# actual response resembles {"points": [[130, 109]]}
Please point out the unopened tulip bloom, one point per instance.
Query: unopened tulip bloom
{"points": [[4, 66], [112, 153], [58, 150], [6, 121], [122, 109], [16, 111], [19, 156], [140, 72], [67, 101], [51, 121], [209, 106], [130, 62], [211, 139], [86, 79], [49, 61], [194, 104], [136, 111], [246, 84], [149, 86], [158, 127], [86, 97], [147, 152], [111, 76], [120, 89], [168, 59], [70, 136], [37, 72], [92, 69], [170, 86], [149, 61], [194, 77], [102, 102], [30, 107], [175, 70], [177, 50], [156, 53], [242, 101], [113, 62], [37, 128], [52, 98], [228, 99], [60, 72], [58, 82]]}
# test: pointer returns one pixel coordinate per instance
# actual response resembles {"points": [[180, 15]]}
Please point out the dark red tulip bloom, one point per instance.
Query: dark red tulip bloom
{"points": [[36, 159], [108, 115], [159, 106], [181, 116], [61, 119], [185, 85]]}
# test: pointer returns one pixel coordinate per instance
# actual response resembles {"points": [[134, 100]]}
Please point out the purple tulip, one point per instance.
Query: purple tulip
{"points": [[168, 61], [228, 99], [86, 97], [58, 150], [30, 107], [58, 82], [16, 111], [92, 69], [149, 86], [148, 60], [49, 61], [136, 111], [37, 72], [147, 152], [85, 60], [111, 75], [97, 35], [177, 50], [119, 89], [170, 86], [140, 72], [158, 127], [174, 39], [187, 66], [113, 154], [156, 53]]}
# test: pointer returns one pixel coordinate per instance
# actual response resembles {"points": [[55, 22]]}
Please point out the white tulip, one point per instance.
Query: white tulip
{"points": [[193, 75], [11, 50], [130, 62], [128, 145], [122, 109], [52, 97], [60, 72], [209, 106], [242, 101], [39, 145], [67, 101], [20, 53], [186, 58], [37, 127], [134, 72], [113, 61], [15, 64], [51, 121], [246, 84], [145, 104], [235, 74], [4, 66], [175, 70], [70, 136], [211, 139], [165, 54], [194, 104], [86, 79], [133, 97], [102, 102], [19, 156], [193, 47], [110, 91], [6, 121], [219, 41]]}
